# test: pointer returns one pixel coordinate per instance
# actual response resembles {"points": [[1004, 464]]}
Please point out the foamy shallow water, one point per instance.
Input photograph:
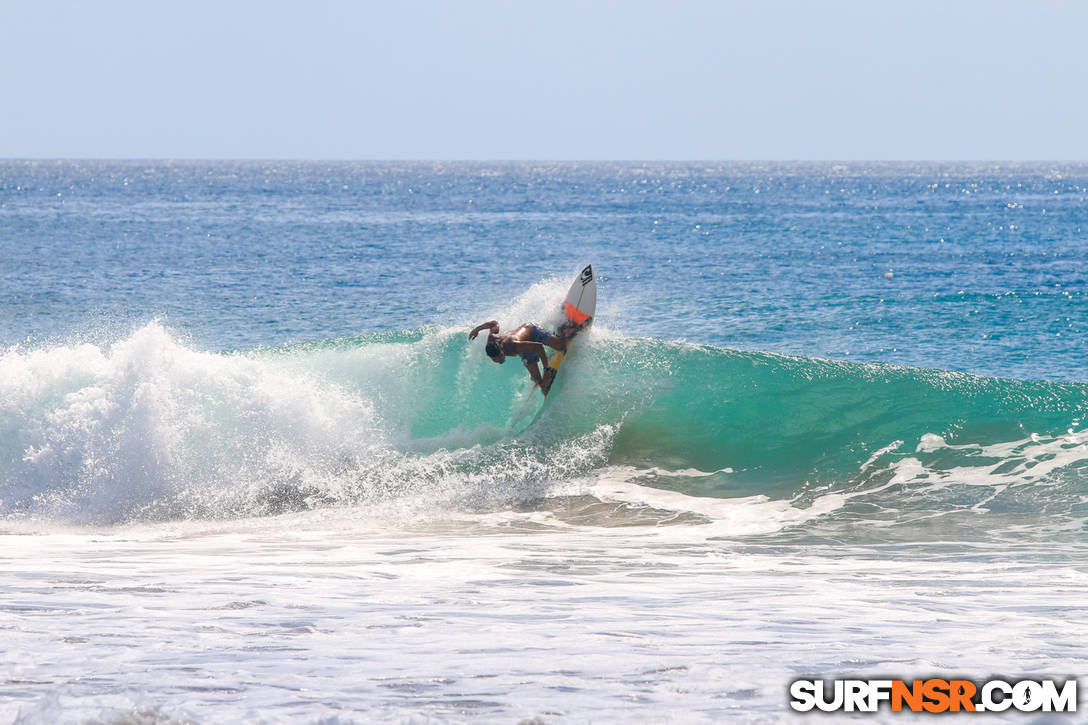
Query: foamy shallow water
{"points": [[330, 617]]}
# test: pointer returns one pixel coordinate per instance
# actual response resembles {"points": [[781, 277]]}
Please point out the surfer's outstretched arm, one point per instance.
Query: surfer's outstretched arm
{"points": [[493, 324]]}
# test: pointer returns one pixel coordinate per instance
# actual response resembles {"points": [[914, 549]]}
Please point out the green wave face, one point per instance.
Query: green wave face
{"points": [[912, 452], [777, 422]]}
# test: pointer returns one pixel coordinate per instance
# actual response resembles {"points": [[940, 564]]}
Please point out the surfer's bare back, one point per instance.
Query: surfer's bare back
{"points": [[528, 341]]}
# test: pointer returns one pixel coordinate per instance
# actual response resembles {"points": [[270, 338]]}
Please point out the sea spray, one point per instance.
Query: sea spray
{"points": [[148, 428]]}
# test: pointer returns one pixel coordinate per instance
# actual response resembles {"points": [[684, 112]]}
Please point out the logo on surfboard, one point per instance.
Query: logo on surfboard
{"points": [[587, 275]]}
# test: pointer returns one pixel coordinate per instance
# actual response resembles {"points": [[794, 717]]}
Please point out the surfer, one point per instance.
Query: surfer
{"points": [[528, 341]]}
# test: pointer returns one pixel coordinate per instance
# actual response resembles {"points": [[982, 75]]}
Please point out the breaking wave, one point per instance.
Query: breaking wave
{"points": [[150, 428]]}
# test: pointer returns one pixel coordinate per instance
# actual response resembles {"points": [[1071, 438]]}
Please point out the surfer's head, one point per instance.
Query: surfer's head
{"points": [[494, 351]]}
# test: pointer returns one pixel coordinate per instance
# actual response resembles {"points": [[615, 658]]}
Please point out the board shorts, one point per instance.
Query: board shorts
{"points": [[536, 334]]}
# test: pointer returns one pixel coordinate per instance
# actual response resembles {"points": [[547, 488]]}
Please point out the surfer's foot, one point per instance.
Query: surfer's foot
{"points": [[549, 376], [569, 330]]}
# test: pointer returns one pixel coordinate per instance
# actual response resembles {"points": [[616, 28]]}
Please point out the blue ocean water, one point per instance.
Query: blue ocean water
{"points": [[225, 382], [987, 260]]}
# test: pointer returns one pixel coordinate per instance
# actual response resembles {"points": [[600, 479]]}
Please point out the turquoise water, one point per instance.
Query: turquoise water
{"points": [[825, 414]]}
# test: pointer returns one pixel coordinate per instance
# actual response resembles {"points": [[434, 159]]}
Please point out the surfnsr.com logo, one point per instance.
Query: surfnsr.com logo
{"points": [[934, 695]]}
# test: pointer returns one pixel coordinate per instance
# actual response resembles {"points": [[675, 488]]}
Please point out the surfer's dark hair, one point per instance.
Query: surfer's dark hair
{"points": [[492, 349]]}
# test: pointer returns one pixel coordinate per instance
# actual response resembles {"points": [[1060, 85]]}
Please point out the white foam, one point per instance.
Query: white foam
{"points": [[148, 427], [739, 516], [1027, 461], [313, 618]]}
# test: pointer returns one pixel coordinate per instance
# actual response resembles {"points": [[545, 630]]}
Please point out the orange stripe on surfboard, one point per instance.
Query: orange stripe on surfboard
{"points": [[574, 314]]}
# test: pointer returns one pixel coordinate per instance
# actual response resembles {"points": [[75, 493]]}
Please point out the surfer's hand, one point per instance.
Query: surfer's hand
{"points": [[493, 324]]}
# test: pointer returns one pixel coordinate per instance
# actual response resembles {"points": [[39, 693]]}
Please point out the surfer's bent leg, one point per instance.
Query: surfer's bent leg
{"points": [[556, 343], [539, 334], [534, 371]]}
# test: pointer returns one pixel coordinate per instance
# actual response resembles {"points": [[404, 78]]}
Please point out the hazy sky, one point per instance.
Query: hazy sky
{"points": [[770, 79]]}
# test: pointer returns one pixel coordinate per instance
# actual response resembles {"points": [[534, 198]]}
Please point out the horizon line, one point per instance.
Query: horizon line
{"points": [[261, 159]]}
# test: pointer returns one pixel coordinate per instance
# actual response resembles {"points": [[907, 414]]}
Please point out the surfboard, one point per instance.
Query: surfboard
{"points": [[577, 309]]}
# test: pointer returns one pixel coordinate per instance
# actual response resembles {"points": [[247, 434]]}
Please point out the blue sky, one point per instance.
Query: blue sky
{"points": [[770, 80]]}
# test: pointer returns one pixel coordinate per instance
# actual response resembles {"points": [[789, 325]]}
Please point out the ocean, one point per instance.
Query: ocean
{"points": [[829, 422]]}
